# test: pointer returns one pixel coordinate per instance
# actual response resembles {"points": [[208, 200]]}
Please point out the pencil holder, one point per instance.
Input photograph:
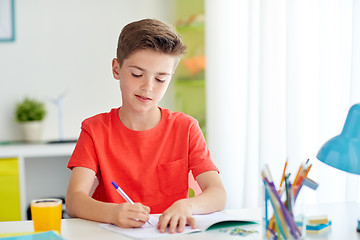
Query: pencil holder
{"points": [[279, 220]]}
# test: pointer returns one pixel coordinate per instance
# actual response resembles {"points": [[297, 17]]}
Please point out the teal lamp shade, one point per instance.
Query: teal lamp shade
{"points": [[343, 151]]}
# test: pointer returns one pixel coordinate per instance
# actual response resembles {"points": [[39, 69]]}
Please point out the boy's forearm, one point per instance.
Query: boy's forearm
{"points": [[82, 206], [210, 200]]}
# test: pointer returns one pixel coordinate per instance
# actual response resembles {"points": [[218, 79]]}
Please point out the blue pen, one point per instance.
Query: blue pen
{"points": [[125, 196]]}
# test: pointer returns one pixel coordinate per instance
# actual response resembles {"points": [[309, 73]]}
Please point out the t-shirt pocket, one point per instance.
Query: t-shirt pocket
{"points": [[173, 177]]}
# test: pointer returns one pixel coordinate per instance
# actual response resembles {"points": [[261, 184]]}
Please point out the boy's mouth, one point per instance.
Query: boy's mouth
{"points": [[142, 98]]}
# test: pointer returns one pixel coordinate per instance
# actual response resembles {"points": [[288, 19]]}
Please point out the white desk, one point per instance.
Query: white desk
{"points": [[37, 162], [343, 215]]}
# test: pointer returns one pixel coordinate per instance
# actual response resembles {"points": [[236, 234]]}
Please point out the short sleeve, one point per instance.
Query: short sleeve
{"points": [[199, 154], [84, 154]]}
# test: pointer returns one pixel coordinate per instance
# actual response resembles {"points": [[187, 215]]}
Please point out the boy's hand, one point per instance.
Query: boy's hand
{"points": [[176, 217], [129, 215]]}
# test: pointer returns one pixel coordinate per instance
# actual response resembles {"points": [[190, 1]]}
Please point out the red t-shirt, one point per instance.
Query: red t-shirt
{"points": [[151, 166]]}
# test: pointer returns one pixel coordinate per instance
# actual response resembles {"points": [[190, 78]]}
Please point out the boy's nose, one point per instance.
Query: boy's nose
{"points": [[147, 85]]}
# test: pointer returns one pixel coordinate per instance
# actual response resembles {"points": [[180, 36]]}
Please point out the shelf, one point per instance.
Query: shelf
{"points": [[41, 172], [36, 150]]}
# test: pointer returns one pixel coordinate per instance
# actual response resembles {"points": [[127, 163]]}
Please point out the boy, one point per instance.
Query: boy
{"points": [[147, 150]]}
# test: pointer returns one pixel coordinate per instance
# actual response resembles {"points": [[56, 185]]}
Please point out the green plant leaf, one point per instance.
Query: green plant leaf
{"points": [[30, 110]]}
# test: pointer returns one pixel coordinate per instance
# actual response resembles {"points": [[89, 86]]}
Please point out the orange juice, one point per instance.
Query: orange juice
{"points": [[46, 214]]}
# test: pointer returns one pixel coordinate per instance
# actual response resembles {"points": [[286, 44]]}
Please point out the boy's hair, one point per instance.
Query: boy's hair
{"points": [[149, 34]]}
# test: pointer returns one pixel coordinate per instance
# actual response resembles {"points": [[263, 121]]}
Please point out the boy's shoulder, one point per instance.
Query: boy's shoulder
{"points": [[178, 116], [100, 118]]}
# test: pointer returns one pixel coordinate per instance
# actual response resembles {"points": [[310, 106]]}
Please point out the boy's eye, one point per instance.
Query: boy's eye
{"points": [[160, 79], [136, 75]]}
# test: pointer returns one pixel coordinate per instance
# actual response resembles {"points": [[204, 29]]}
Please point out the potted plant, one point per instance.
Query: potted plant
{"points": [[30, 113]]}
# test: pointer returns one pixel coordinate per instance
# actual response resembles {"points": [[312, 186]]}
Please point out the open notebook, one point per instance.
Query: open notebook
{"points": [[203, 222]]}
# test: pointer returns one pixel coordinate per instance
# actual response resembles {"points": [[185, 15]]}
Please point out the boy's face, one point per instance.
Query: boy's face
{"points": [[144, 77]]}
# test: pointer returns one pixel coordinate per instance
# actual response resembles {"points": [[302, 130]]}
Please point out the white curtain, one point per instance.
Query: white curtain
{"points": [[280, 79]]}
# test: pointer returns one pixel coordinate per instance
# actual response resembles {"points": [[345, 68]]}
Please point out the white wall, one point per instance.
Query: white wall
{"points": [[67, 45], [226, 83]]}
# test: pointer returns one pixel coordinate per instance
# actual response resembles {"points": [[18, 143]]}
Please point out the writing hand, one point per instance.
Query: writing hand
{"points": [[129, 215]]}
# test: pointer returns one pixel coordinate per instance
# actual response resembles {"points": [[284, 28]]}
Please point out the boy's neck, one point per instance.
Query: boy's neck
{"points": [[140, 121]]}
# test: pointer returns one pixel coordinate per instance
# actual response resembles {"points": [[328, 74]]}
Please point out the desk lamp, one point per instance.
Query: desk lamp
{"points": [[343, 151]]}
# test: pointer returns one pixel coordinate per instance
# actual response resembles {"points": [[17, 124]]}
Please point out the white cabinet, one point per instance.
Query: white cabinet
{"points": [[42, 170]]}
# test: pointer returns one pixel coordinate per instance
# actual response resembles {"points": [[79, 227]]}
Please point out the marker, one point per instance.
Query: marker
{"points": [[125, 196]]}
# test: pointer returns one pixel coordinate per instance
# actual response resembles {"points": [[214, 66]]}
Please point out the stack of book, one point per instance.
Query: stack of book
{"points": [[316, 224], [49, 235]]}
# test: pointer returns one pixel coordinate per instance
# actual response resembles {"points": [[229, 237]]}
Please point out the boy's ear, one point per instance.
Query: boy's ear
{"points": [[116, 68]]}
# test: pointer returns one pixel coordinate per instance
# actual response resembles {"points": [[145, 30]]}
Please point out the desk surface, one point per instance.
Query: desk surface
{"points": [[343, 215]]}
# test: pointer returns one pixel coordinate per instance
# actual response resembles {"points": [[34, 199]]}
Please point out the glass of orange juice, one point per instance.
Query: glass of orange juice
{"points": [[46, 214]]}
